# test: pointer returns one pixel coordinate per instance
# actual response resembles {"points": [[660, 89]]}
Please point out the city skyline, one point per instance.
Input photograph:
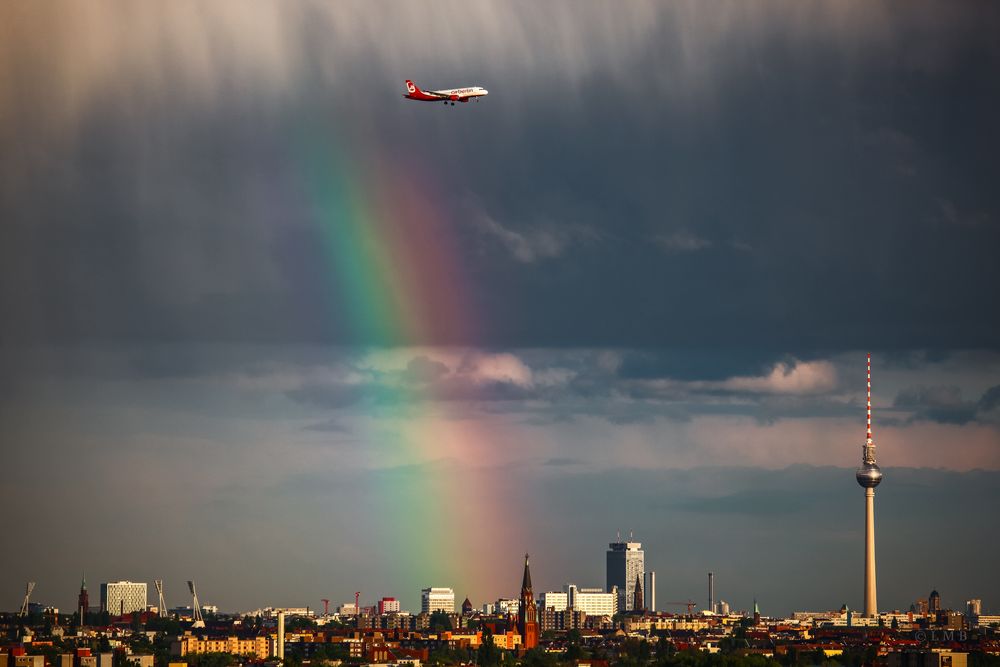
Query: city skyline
{"points": [[453, 595], [272, 328]]}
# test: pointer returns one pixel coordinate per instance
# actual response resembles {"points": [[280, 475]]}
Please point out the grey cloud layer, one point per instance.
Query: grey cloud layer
{"points": [[621, 385]]}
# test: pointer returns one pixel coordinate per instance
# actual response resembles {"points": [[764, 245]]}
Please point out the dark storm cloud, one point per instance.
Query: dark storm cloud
{"points": [[695, 363], [990, 399], [674, 175], [940, 404], [946, 405]]}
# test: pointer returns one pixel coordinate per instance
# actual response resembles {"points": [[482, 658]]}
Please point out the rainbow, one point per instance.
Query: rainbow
{"points": [[397, 281]]}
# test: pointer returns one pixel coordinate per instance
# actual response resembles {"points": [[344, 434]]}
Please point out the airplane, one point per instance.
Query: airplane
{"points": [[447, 96]]}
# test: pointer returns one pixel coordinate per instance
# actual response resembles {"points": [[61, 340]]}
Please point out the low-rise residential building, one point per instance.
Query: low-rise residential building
{"points": [[256, 646], [509, 640], [566, 619]]}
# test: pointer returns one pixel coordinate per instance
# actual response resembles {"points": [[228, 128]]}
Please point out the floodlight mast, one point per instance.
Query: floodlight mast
{"points": [[159, 590], [199, 622], [27, 596]]}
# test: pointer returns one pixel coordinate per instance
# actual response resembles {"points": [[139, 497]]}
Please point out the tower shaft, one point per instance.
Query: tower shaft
{"points": [[871, 604]]}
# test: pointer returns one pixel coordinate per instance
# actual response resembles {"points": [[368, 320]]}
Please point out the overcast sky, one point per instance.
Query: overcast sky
{"points": [[271, 327]]}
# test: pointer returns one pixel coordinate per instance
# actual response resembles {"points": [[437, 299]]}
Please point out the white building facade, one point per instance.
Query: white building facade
{"points": [[437, 599], [389, 606], [508, 606], [593, 601], [123, 597], [555, 600]]}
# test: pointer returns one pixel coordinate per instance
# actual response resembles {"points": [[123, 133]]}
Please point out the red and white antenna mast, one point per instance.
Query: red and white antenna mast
{"points": [[869, 434], [868, 455]]}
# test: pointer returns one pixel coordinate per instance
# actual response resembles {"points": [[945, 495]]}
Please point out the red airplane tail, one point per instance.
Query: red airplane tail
{"points": [[412, 88]]}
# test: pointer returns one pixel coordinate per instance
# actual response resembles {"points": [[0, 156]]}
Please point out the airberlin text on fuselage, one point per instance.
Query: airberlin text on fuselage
{"points": [[452, 95]]}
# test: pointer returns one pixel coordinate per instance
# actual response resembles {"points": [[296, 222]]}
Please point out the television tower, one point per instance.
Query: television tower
{"points": [[869, 476]]}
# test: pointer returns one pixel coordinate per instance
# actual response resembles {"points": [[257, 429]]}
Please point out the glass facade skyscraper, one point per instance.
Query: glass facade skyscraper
{"points": [[626, 563]]}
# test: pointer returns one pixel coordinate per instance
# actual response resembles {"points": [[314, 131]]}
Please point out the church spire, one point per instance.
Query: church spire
{"points": [[527, 612], [526, 580]]}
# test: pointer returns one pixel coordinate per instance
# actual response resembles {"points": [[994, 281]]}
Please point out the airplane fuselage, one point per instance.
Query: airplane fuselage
{"points": [[449, 95]]}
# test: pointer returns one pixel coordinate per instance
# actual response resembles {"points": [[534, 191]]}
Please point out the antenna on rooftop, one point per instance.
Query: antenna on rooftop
{"points": [[199, 622], [27, 596]]}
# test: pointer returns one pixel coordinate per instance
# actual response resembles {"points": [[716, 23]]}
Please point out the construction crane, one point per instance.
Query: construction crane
{"points": [[27, 596], [326, 606], [690, 604], [199, 622]]}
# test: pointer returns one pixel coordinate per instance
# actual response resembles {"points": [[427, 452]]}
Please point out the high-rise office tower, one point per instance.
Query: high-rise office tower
{"points": [[651, 590], [625, 563], [934, 602], [869, 476]]}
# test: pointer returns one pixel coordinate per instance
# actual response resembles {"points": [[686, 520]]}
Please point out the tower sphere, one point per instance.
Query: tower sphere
{"points": [[869, 475]]}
